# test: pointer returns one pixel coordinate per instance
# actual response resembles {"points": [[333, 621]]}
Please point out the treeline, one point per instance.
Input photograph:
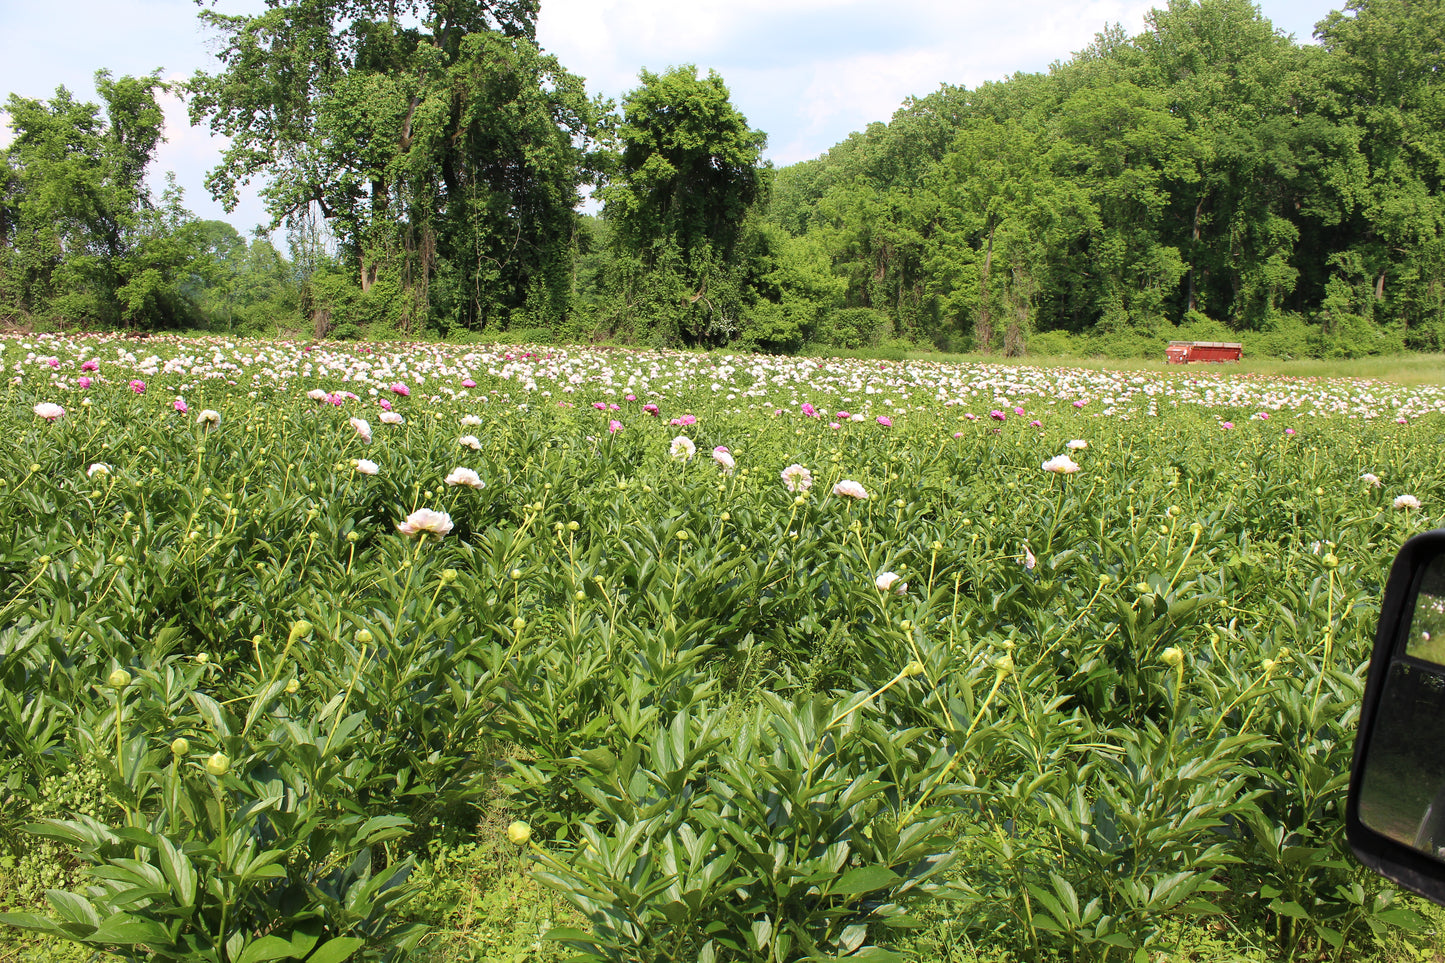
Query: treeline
{"points": [[1208, 178]]}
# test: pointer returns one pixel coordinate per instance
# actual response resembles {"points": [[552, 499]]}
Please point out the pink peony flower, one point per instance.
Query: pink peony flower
{"points": [[53, 362], [1226, 425], [1080, 404], [600, 405], [1018, 411], [796, 478], [424, 522], [997, 415], [1036, 424], [614, 426], [180, 405], [809, 410], [842, 416], [723, 458], [49, 410], [1061, 465], [885, 421], [91, 365], [363, 428], [466, 478], [138, 386], [631, 397], [401, 389], [1289, 431], [850, 489], [468, 383], [650, 409], [385, 404], [82, 382]]}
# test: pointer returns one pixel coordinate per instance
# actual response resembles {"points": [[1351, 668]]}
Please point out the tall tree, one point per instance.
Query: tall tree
{"points": [[427, 134], [689, 173]]}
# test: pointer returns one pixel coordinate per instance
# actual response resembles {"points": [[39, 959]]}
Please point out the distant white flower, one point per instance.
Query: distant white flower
{"points": [[392, 418], [857, 416], [1407, 501], [362, 428], [209, 417], [724, 458], [890, 581], [850, 489], [99, 468], [49, 410], [1061, 465], [470, 421], [317, 394], [796, 478], [682, 447], [470, 441], [425, 521], [466, 477], [1078, 444], [366, 466], [1371, 480], [1029, 560]]}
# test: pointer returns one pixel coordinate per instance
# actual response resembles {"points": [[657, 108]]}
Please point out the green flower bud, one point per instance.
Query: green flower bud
{"points": [[519, 833], [293, 687], [364, 636], [518, 624], [180, 747], [1171, 656], [299, 630], [218, 764], [118, 679], [914, 668]]}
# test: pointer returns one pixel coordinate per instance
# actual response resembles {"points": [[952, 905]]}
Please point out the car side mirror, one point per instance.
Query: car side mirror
{"points": [[1395, 816]]}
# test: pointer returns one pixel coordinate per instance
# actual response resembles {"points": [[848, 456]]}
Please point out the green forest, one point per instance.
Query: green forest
{"points": [[426, 163]]}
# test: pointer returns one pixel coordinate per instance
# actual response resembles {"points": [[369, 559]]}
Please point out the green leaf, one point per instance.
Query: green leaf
{"points": [[864, 879], [336, 950], [268, 948]]}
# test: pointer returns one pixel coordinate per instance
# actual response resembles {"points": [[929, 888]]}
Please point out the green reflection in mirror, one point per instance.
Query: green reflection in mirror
{"points": [[1426, 638]]}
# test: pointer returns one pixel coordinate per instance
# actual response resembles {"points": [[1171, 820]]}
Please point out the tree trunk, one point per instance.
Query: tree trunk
{"points": [[1193, 293], [983, 327]]}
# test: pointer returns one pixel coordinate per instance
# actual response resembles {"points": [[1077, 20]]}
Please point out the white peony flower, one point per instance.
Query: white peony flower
{"points": [[465, 477]]}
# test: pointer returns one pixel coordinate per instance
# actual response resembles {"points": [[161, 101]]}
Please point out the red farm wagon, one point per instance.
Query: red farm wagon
{"points": [[1181, 352]]}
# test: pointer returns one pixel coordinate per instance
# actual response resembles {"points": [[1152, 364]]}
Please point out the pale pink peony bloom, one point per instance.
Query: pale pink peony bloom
{"points": [[848, 488], [1078, 444], [209, 417], [1061, 465], [363, 428], [468, 383], [470, 421], [724, 458], [1406, 501], [392, 418], [1370, 479], [1028, 559], [466, 478], [424, 522], [796, 478], [890, 582], [614, 426], [99, 468], [318, 395], [470, 441], [366, 466], [682, 448], [49, 410]]}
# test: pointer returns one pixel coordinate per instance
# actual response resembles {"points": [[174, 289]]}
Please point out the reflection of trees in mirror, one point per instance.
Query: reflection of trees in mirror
{"points": [[1426, 638], [1404, 770]]}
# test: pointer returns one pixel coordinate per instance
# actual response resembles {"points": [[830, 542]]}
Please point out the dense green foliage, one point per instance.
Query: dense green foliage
{"points": [[923, 695], [1208, 179]]}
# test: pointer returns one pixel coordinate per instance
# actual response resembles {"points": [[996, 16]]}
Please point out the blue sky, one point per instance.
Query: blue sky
{"points": [[808, 72]]}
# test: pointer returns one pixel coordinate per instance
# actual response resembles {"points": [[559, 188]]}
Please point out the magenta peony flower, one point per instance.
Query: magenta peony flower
{"points": [[91, 365], [614, 426], [401, 389], [885, 421], [82, 382], [138, 386], [468, 383]]}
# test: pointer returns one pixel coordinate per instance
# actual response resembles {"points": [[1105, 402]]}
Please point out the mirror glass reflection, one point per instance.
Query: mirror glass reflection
{"points": [[1402, 792]]}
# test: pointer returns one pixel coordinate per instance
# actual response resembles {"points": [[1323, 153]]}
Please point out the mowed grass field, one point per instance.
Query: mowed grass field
{"points": [[366, 652]]}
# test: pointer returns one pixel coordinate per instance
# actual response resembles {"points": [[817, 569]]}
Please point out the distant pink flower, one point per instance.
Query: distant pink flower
{"points": [[1018, 411], [684, 421], [392, 418], [612, 407], [885, 421], [809, 410], [91, 365], [842, 416], [631, 397], [614, 426], [971, 416], [1036, 424], [797, 478], [724, 459], [848, 488], [401, 389], [82, 382], [385, 405], [1402, 420], [180, 405], [336, 398], [833, 424], [424, 522], [1263, 416], [997, 415], [1080, 404], [54, 362], [600, 405], [468, 383], [1289, 431], [958, 434], [138, 386], [650, 409], [1226, 425]]}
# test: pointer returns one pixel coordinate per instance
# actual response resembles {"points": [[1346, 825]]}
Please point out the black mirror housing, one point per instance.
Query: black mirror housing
{"points": [[1395, 813]]}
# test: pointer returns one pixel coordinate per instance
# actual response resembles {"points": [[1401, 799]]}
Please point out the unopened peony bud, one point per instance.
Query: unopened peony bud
{"points": [[1004, 664], [913, 668], [364, 637], [180, 747], [519, 833], [299, 630], [1171, 656], [118, 679], [218, 764]]}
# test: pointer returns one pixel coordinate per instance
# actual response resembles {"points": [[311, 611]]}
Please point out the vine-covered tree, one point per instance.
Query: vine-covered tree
{"points": [[433, 136]]}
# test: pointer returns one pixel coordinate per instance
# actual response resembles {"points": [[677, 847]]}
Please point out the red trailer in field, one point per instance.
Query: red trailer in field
{"points": [[1181, 352]]}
